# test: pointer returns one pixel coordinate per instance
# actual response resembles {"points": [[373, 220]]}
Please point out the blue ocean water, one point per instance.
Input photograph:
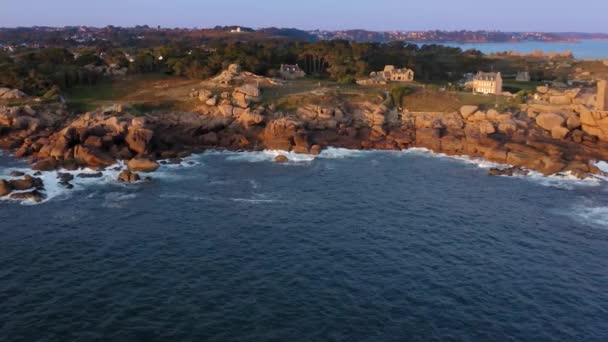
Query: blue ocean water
{"points": [[584, 49], [349, 246]]}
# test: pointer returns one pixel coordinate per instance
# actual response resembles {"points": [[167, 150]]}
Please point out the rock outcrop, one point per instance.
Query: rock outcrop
{"points": [[144, 165]]}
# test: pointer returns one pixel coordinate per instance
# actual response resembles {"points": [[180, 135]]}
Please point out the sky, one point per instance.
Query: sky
{"points": [[505, 15]]}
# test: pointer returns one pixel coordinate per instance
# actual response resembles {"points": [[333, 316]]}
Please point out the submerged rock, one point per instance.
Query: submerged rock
{"points": [[127, 176], [28, 182], [511, 171], [5, 188], [34, 196], [90, 175], [281, 159]]}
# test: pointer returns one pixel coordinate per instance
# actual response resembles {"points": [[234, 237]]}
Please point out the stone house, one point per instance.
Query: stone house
{"points": [[291, 72], [487, 83], [391, 73]]}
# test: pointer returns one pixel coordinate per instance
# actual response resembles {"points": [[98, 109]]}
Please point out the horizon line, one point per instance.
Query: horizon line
{"points": [[301, 29]]}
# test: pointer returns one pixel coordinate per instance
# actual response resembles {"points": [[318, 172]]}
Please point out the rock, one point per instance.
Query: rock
{"points": [[487, 128], [240, 100], [5, 188], [278, 134], [204, 95], [13, 94], [511, 171], [507, 127], [138, 139], [248, 119], [281, 159], [17, 174], [542, 89], [33, 196], [94, 141], [467, 111], [127, 176], [573, 122], [65, 177], [477, 116], [248, 90], [209, 138], [315, 150], [28, 182], [212, 101], [142, 165], [548, 121], [559, 132], [92, 156], [560, 100], [492, 114], [90, 175]]}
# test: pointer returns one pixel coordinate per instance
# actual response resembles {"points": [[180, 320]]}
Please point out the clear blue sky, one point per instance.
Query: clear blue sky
{"points": [[516, 15]]}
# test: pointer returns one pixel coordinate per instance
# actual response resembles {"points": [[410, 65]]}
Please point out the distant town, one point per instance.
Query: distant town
{"points": [[40, 36]]}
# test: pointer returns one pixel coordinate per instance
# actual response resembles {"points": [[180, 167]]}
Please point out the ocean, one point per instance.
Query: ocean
{"points": [[584, 49], [346, 246]]}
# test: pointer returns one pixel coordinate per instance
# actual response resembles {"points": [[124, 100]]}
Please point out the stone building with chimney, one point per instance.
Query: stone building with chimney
{"points": [[390, 73], [291, 72], [487, 83]]}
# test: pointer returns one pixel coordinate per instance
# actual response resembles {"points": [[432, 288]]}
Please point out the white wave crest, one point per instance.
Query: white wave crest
{"points": [[566, 180], [589, 213]]}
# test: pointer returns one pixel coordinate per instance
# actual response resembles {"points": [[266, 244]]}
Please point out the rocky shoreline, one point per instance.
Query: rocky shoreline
{"points": [[550, 139]]}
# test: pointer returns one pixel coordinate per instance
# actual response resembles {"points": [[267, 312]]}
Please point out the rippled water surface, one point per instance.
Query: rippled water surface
{"points": [[350, 246]]}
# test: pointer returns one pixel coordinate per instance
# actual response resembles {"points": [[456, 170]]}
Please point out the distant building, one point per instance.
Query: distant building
{"points": [[523, 76], [602, 96], [390, 73], [487, 83], [236, 30], [291, 72]]}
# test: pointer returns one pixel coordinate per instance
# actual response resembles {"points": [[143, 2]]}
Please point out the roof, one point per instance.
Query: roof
{"points": [[486, 76]]}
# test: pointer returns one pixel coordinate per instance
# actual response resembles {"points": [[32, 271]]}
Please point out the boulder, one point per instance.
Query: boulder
{"points": [[248, 90], [240, 100], [511, 171], [279, 134], [281, 159], [507, 127], [315, 150], [542, 89], [549, 121], [142, 165], [138, 139], [477, 116], [486, 127], [5, 188], [559, 132], [28, 182], [127, 176], [467, 111], [204, 95], [90, 175], [561, 100], [573, 122], [65, 177], [33, 196], [92, 156], [248, 118], [13, 94], [212, 101], [46, 164]]}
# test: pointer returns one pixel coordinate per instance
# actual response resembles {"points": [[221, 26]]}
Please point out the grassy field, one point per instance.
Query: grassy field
{"points": [[145, 91], [158, 91]]}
